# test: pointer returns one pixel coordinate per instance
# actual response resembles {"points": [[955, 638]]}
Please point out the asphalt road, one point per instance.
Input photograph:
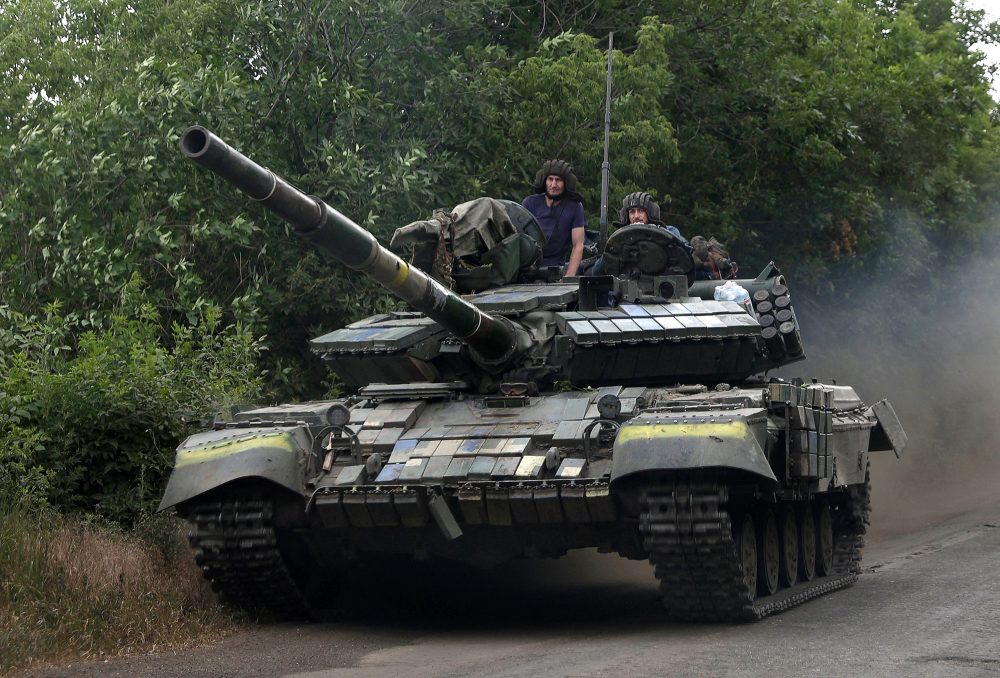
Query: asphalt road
{"points": [[928, 604]]}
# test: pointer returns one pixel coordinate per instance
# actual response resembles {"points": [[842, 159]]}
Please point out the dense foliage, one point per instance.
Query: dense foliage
{"points": [[90, 423], [831, 135]]}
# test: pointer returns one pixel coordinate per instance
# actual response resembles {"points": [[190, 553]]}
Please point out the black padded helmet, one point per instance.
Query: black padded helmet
{"points": [[642, 200], [560, 168]]}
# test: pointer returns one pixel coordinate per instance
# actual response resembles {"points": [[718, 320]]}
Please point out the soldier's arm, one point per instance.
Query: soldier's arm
{"points": [[576, 254]]}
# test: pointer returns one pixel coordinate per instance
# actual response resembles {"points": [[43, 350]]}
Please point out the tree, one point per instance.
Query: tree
{"points": [[829, 136]]}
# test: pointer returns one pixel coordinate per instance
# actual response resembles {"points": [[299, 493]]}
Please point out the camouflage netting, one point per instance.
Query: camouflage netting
{"points": [[473, 247]]}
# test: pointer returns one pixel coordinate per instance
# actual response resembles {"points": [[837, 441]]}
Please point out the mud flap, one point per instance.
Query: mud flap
{"points": [[211, 459], [443, 516], [692, 440], [888, 433]]}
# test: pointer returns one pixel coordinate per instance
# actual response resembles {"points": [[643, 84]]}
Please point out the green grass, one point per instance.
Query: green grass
{"points": [[72, 591]]}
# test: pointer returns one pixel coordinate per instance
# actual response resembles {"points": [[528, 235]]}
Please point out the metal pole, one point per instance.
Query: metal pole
{"points": [[606, 166]]}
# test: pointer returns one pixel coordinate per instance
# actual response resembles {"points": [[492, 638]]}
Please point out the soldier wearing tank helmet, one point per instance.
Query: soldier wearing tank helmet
{"points": [[711, 260], [640, 208], [558, 208]]}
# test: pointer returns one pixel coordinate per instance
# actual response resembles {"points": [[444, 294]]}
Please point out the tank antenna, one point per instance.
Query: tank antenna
{"points": [[606, 166]]}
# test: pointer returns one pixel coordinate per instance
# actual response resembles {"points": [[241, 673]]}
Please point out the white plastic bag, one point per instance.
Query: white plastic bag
{"points": [[731, 291]]}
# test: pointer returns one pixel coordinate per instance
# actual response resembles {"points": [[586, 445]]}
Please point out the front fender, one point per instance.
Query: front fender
{"points": [[673, 441], [211, 459]]}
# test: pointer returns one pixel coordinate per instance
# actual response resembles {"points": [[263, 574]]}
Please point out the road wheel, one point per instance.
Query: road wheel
{"points": [[789, 547], [807, 543], [768, 554], [745, 537], [824, 539]]}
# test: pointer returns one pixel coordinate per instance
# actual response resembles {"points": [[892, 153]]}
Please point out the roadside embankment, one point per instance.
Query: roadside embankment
{"points": [[72, 590]]}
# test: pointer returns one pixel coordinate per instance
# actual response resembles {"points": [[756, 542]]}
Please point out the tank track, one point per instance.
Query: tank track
{"points": [[237, 548], [687, 532]]}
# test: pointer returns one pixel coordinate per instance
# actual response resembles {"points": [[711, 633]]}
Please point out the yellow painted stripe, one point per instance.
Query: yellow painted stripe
{"points": [[729, 429], [282, 442], [401, 275]]}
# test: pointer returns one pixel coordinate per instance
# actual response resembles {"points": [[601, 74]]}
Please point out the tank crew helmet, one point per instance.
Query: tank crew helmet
{"points": [[642, 201], [559, 168]]}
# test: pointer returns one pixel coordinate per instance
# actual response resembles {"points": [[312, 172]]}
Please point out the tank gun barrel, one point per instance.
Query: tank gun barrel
{"points": [[493, 340]]}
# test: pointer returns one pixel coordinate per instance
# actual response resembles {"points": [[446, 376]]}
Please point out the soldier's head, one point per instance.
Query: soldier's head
{"points": [[556, 180], [639, 208]]}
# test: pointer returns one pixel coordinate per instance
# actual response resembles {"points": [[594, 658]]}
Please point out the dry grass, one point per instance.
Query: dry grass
{"points": [[70, 591]]}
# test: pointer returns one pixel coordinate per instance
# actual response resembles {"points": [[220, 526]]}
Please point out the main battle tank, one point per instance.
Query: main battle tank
{"points": [[626, 412]]}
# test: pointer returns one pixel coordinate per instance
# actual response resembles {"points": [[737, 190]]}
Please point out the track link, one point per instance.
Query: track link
{"points": [[237, 549], [687, 530]]}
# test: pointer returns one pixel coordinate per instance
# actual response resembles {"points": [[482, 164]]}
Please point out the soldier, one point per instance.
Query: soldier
{"points": [[558, 208], [711, 259], [640, 208]]}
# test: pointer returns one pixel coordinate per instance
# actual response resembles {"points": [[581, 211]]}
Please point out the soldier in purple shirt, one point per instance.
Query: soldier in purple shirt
{"points": [[558, 208]]}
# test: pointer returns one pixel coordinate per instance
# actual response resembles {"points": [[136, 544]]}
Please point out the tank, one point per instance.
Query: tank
{"points": [[531, 415]]}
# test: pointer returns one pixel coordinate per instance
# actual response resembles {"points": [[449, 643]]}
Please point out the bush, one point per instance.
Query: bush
{"points": [[89, 421]]}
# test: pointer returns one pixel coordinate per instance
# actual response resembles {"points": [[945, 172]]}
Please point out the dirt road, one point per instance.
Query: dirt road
{"points": [[927, 605]]}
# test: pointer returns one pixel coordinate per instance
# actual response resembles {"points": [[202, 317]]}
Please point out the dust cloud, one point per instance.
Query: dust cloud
{"points": [[933, 354]]}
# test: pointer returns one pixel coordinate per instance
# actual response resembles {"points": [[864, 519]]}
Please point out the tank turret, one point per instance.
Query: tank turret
{"points": [[495, 342]]}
